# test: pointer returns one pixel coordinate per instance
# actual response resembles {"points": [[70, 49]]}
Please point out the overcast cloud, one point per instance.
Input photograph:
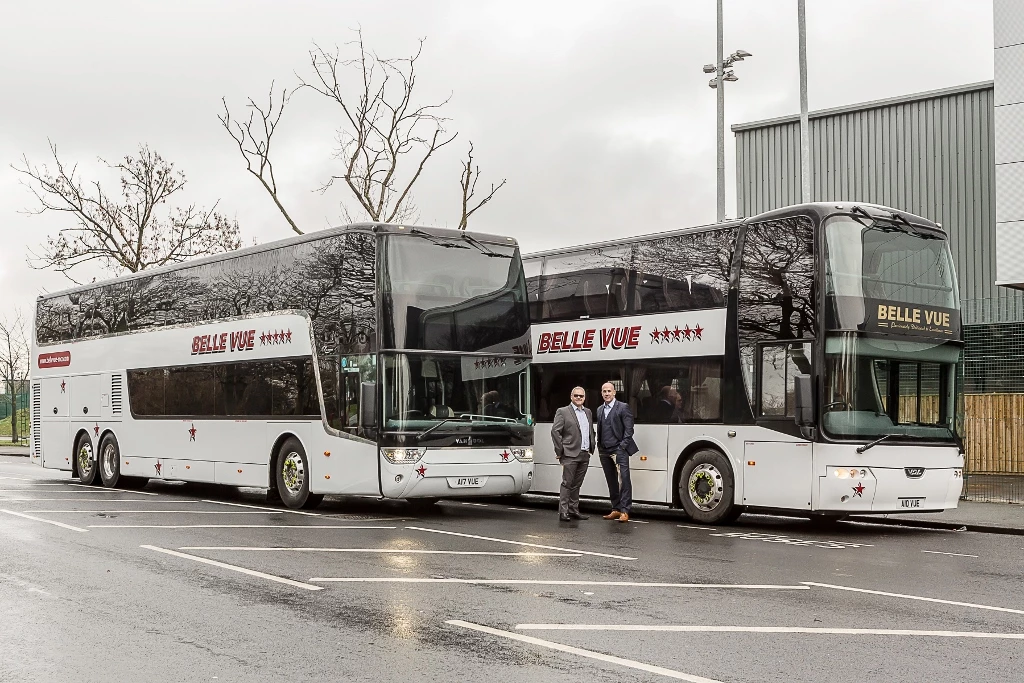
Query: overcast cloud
{"points": [[596, 112]]}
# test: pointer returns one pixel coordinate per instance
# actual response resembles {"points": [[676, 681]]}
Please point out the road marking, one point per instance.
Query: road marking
{"points": [[479, 505], [554, 582], [23, 478], [698, 528], [97, 489], [914, 597], [229, 526], [243, 570], [936, 552], [96, 500], [45, 521], [787, 540], [396, 551], [769, 629], [522, 509], [160, 512], [637, 521], [532, 545], [257, 507], [590, 654]]}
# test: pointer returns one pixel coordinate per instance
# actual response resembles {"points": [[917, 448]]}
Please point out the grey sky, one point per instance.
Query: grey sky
{"points": [[597, 113]]}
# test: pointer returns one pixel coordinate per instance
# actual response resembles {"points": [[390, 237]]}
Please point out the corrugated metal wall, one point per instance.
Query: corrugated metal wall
{"points": [[931, 154]]}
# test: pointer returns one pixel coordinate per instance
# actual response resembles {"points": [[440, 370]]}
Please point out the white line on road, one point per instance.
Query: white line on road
{"points": [[590, 654], [257, 507], [555, 582], [160, 512], [479, 505], [936, 552], [396, 551], [96, 500], [698, 528], [769, 629], [532, 545], [97, 489], [243, 570], [522, 509], [229, 526], [23, 478], [45, 521], [914, 597]]}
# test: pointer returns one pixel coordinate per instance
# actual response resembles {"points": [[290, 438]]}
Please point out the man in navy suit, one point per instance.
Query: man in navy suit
{"points": [[615, 444]]}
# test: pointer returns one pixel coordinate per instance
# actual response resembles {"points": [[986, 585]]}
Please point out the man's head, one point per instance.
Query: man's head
{"points": [[578, 396], [607, 391], [669, 394]]}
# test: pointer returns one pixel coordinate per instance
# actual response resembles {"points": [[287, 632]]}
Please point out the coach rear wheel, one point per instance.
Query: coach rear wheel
{"points": [[706, 488], [110, 461], [293, 476], [85, 461]]}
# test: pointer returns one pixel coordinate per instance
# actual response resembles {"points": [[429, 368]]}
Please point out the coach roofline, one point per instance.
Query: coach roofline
{"points": [[373, 228]]}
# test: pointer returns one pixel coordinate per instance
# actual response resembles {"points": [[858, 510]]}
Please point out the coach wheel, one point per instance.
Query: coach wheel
{"points": [[110, 461], [706, 488], [85, 461], [293, 476]]}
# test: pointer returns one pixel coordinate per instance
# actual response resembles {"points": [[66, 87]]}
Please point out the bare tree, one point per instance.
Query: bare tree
{"points": [[14, 362], [470, 175], [131, 232], [385, 140], [253, 139]]}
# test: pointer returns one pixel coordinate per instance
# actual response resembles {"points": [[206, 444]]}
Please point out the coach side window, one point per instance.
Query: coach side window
{"points": [[683, 272]]}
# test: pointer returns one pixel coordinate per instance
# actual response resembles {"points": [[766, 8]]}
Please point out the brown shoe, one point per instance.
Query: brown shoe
{"points": [[624, 517], [614, 514]]}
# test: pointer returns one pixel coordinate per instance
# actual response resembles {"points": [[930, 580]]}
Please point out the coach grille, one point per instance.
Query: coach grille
{"points": [[115, 394], [36, 436]]}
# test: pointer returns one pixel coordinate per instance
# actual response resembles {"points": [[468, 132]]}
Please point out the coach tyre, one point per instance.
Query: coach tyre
{"points": [[293, 476], [706, 488], [110, 461], [85, 461]]}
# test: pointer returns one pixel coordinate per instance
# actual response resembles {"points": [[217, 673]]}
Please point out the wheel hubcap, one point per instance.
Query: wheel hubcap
{"points": [[705, 487], [293, 472], [85, 460], [108, 460]]}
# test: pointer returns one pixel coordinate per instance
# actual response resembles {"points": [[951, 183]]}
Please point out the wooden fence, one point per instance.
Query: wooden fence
{"points": [[995, 433]]}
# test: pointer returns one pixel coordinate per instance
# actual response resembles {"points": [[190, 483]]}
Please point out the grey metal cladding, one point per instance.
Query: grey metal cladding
{"points": [[932, 154]]}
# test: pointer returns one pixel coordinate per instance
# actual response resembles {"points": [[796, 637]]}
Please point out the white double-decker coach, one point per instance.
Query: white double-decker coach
{"points": [[369, 360], [807, 359]]}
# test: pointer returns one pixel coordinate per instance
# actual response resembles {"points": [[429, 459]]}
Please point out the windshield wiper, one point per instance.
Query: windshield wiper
{"points": [[447, 244], [483, 250], [861, 449], [430, 429]]}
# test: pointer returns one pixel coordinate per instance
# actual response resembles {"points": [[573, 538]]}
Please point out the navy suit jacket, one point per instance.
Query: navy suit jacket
{"points": [[621, 423]]}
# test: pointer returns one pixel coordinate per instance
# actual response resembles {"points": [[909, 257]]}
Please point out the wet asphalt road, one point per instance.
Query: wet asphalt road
{"points": [[196, 583]]}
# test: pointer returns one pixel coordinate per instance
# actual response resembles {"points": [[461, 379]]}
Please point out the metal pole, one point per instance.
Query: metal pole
{"points": [[721, 117], [805, 144]]}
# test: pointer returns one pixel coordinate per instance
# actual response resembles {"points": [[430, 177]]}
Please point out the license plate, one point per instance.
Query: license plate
{"points": [[910, 502], [466, 482]]}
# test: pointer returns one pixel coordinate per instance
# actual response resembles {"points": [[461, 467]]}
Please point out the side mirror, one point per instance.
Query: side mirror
{"points": [[367, 405], [804, 390]]}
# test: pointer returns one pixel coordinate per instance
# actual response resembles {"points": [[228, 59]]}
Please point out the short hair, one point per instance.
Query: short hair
{"points": [[611, 383], [578, 387]]}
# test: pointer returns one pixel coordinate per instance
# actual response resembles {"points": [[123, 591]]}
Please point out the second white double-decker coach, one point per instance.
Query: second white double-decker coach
{"points": [[369, 360]]}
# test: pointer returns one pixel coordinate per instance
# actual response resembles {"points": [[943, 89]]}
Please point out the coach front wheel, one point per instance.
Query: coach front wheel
{"points": [[85, 461], [707, 487], [293, 476]]}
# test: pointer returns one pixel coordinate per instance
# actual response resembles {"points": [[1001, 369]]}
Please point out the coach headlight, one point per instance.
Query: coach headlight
{"points": [[523, 454], [402, 456]]}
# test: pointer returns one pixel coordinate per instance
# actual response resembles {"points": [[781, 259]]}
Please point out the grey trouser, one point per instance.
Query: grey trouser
{"points": [[573, 472]]}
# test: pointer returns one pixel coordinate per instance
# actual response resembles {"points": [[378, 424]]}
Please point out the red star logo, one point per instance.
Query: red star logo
{"points": [[192, 433], [656, 336], [676, 332], [63, 386], [687, 331], [858, 490], [263, 339], [504, 455], [97, 430], [421, 470], [665, 333], [477, 364], [697, 331], [288, 334], [158, 467]]}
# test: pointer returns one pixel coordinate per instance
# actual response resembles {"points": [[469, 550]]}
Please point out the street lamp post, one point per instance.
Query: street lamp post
{"points": [[722, 69]]}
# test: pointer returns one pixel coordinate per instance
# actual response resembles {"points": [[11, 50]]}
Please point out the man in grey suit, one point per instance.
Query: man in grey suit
{"points": [[615, 444], [573, 436]]}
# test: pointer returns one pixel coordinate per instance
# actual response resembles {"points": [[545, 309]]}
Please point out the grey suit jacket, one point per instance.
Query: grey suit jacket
{"points": [[565, 433]]}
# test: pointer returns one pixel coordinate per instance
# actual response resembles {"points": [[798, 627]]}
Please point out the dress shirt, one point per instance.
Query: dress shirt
{"points": [[608, 407], [581, 417]]}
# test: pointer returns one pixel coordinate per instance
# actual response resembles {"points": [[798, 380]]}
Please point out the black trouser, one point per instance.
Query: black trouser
{"points": [[573, 472], [620, 489]]}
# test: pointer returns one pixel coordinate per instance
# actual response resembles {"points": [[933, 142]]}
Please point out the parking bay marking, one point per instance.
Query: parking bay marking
{"points": [[242, 570], [395, 551], [94, 500], [532, 545], [45, 521], [589, 654], [158, 512], [787, 540], [936, 552], [98, 490], [257, 507], [913, 597], [554, 582], [233, 526], [688, 628]]}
